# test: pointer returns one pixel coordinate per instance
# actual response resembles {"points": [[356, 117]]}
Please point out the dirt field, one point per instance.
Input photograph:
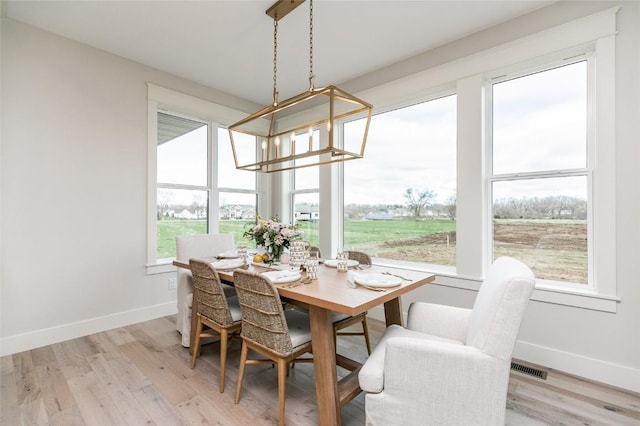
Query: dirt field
{"points": [[555, 250]]}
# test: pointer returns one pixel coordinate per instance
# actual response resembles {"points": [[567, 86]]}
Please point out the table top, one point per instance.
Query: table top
{"points": [[330, 291]]}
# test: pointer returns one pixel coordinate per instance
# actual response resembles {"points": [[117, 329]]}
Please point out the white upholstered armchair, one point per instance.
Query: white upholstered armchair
{"points": [[188, 246], [450, 366]]}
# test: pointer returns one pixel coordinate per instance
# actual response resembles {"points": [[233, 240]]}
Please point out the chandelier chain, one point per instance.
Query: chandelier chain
{"points": [[311, 76], [275, 62]]}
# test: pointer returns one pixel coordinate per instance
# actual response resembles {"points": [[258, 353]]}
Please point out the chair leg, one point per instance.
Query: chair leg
{"points": [[365, 331], [196, 344], [243, 363], [223, 356], [283, 368]]}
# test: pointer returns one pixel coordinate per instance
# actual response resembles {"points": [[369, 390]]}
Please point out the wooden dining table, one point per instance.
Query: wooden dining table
{"points": [[330, 292]]}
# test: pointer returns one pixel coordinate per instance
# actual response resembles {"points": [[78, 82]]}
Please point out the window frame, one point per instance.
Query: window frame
{"points": [[433, 94], [160, 99], [600, 291], [498, 77], [207, 187]]}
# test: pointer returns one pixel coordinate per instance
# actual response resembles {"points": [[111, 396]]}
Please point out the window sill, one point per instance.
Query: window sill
{"points": [[545, 291], [162, 267], [586, 299]]}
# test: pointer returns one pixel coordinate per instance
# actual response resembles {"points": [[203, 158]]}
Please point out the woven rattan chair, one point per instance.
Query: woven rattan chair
{"points": [[361, 257], [222, 314], [342, 321], [281, 336]]}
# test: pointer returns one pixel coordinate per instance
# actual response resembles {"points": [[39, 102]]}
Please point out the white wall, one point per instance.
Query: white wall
{"points": [[74, 153], [73, 176]]}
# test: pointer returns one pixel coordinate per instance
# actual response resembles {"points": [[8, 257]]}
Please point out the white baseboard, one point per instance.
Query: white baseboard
{"points": [[578, 365], [26, 341]]}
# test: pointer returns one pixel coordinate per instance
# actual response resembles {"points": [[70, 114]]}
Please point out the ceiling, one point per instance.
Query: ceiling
{"points": [[228, 45]]}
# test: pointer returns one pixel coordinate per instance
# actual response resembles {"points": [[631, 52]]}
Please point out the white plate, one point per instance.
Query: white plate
{"points": [[278, 277], [227, 264], [333, 263], [377, 280], [228, 255]]}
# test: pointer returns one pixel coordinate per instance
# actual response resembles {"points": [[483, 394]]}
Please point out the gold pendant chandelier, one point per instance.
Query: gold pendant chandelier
{"points": [[300, 131]]}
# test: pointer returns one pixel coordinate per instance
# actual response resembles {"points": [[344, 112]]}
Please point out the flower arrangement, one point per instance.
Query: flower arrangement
{"points": [[274, 236]]}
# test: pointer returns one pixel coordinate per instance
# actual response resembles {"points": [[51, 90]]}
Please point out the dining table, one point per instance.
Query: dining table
{"points": [[333, 291]]}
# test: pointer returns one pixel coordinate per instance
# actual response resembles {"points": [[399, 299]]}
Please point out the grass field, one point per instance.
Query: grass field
{"points": [[555, 250]]}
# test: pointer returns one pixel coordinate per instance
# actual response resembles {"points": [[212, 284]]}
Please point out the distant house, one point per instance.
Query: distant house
{"points": [[185, 214], [237, 212], [248, 213], [378, 216], [307, 213]]}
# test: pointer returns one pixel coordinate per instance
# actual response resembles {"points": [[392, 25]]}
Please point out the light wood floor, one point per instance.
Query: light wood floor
{"points": [[140, 374]]}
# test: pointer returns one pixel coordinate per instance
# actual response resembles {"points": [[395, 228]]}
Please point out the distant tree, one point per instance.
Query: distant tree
{"points": [[418, 199], [164, 201], [552, 207], [450, 207]]}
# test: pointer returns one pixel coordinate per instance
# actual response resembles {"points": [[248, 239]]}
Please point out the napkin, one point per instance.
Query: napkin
{"points": [[228, 255], [279, 277], [376, 280], [227, 264], [275, 275]]}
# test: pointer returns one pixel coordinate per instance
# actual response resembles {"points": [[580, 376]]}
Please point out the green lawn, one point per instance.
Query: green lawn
{"points": [[360, 232], [169, 229], [370, 236], [555, 250]]}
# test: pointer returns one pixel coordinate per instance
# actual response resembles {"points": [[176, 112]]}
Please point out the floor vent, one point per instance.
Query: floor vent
{"points": [[536, 372]]}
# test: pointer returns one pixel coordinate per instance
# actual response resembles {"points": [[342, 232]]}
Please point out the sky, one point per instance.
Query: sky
{"points": [[539, 124]]}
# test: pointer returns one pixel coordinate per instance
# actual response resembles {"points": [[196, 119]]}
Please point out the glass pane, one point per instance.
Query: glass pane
{"points": [[228, 175], [306, 177], [540, 121], [306, 215], [180, 212], [237, 213], [400, 199], [182, 151], [543, 222], [304, 143]]}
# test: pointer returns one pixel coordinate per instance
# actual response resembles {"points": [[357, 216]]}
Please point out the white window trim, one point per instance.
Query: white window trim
{"points": [[600, 293], [160, 98], [598, 31], [542, 65]]}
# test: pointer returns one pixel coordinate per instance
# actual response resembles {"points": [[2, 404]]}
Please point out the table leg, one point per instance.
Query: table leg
{"points": [[393, 312], [324, 365]]}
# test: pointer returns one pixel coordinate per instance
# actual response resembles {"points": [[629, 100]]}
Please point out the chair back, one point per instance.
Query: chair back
{"points": [[212, 302], [188, 246], [263, 319], [495, 320], [362, 258], [201, 245]]}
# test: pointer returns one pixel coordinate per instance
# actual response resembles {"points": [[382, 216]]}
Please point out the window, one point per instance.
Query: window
{"points": [[188, 202], [513, 167], [237, 196], [192, 185], [540, 170], [399, 201], [182, 185], [306, 193]]}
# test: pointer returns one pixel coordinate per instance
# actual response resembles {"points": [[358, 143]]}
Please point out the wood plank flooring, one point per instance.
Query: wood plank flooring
{"points": [[141, 375]]}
